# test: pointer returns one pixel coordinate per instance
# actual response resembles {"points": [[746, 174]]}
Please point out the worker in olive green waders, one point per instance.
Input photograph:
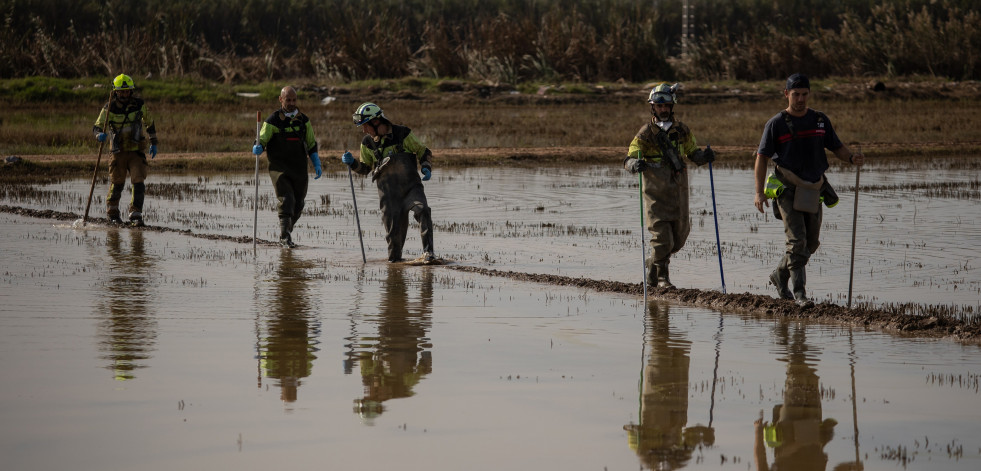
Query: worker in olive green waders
{"points": [[391, 154], [656, 152], [795, 140], [127, 123], [288, 137]]}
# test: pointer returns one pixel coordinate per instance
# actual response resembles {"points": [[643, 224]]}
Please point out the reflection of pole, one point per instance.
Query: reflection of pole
{"points": [[851, 361], [643, 355], [715, 371], [851, 269]]}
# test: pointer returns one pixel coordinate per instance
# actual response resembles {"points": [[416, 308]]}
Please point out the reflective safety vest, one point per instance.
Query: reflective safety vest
{"points": [[774, 187]]}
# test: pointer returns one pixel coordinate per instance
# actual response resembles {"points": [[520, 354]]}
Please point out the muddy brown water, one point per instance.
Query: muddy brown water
{"points": [[178, 346]]}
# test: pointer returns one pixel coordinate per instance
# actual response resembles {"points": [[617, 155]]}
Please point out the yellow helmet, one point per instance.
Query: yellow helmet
{"points": [[122, 82]]}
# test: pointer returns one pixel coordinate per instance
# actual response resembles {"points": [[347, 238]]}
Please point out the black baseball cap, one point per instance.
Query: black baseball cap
{"points": [[798, 80]]}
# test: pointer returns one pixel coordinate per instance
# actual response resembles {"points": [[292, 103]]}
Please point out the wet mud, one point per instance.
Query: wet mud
{"points": [[753, 304]]}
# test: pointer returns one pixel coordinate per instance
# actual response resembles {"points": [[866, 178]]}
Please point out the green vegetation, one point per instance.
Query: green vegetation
{"points": [[496, 41]]}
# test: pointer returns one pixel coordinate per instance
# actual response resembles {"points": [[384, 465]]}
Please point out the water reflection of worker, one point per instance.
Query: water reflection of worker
{"points": [[128, 327], [661, 439], [798, 434], [289, 344], [401, 355]]}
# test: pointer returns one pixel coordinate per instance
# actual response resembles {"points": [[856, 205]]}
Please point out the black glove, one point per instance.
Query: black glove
{"points": [[635, 165], [702, 157]]}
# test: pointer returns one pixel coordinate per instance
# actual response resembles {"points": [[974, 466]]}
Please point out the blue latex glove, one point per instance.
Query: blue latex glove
{"points": [[101, 137], [347, 158], [153, 151], [257, 149], [315, 158], [426, 174]]}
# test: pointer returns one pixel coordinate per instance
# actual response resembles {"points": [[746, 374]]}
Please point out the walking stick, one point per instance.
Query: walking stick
{"points": [[357, 218], [851, 268], [255, 203], [715, 214], [98, 160]]}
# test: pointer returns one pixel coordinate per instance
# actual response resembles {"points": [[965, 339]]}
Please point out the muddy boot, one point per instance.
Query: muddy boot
{"points": [[284, 235], [797, 280], [112, 203], [136, 219], [662, 276], [780, 277], [136, 206], [651, 274]]}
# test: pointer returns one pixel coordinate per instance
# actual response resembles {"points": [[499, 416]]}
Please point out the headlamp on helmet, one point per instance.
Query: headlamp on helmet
{"points": [[367, 112]]}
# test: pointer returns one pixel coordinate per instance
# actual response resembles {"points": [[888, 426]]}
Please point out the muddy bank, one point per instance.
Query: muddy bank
{"points": [[903, 324], [101, 221]]}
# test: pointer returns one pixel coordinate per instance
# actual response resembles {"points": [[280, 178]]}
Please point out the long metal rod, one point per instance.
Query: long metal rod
{"points": [[357, 218], [98, 160], [715, 214], [643, 238], [255, 202], [851, 268]]}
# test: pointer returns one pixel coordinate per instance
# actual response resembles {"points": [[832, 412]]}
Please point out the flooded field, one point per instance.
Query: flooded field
{"points": [[162, 349]]}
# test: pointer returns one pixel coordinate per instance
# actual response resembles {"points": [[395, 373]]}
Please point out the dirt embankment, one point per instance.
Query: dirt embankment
{"points": [[766, 306], [931, 326]]}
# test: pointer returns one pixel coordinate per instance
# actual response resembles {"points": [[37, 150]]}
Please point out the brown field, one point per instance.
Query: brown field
{"points": [[477, 126]]}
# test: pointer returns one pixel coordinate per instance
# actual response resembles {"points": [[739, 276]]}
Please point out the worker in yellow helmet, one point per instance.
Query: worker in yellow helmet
{"points": [[127, 123]]}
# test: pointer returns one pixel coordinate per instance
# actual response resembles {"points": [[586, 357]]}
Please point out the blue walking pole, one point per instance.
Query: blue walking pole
{"points": [[715, 214]]}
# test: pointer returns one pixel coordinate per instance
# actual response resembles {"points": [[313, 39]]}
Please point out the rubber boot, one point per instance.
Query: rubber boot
{"points": [[663, 281], [780, 277], [285, 223], [798, 279], [112, 203], [425, 219], [651, 273]]}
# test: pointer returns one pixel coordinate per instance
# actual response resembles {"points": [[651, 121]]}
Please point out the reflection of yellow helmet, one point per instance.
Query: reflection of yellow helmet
{"points": [[122, 82], [773, 436]]}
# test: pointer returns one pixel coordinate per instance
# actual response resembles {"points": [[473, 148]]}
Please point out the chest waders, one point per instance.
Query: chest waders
{"points": [[400, 191], [666, 199], [287, 155]]}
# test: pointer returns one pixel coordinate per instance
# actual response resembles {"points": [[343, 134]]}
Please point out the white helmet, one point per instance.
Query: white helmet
{"points": [[663, 94], [367, 112]]}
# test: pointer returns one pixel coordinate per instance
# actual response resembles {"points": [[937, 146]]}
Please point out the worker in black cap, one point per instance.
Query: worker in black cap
{"points": [[795, 140]]}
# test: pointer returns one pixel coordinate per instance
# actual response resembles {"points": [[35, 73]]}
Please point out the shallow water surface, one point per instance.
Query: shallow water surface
{"points": [[128, 348]]}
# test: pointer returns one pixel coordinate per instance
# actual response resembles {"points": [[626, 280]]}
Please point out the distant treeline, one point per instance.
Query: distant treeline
{"points": [[502, 41]]}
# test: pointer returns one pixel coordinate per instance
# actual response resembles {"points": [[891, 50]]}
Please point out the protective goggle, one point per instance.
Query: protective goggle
{"points": [[360, 119], [661, 99]]}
